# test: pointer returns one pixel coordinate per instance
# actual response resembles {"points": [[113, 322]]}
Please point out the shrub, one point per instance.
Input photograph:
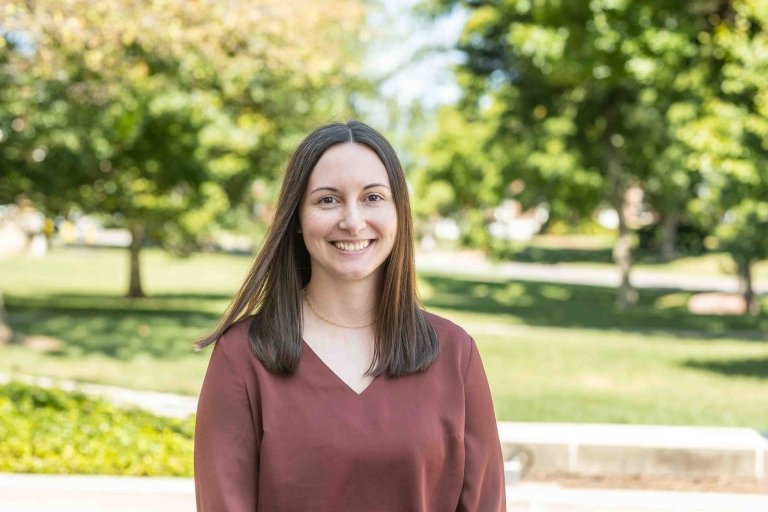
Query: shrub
{"points": [[52, 431]]}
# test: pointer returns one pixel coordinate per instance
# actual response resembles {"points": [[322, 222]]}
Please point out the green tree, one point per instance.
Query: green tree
{"points": [[161, 113], [579, 95], [726, 132]]}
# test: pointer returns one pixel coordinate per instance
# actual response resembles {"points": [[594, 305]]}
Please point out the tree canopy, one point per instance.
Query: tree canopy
{"points": [[584, 100], [162, 113]]}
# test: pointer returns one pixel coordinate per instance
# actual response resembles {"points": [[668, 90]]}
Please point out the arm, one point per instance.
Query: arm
{"points": [[226, 452], [483, 487]]}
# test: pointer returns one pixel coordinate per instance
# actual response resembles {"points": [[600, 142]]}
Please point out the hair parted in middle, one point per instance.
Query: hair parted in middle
{"points": [[405, 342]]}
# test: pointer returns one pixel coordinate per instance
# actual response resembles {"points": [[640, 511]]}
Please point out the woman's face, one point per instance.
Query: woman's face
{"points": [[348, 217]]}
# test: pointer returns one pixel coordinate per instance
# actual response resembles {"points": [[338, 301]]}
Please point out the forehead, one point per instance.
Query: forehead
{"points": [[348, 163]]}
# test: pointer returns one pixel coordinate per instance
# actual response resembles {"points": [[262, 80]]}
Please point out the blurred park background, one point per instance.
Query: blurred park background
{"points": [[589, 179]]}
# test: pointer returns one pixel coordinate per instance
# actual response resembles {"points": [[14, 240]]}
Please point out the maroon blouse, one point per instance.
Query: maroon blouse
{"points": [[426, 442]]}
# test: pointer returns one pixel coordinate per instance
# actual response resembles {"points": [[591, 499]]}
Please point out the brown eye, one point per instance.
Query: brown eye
{"points": [[327, 200], [375, 198]]}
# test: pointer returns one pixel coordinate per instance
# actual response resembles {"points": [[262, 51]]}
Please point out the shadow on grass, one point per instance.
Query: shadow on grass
{"points": [[181, 302], [164, 326], [753, 367], [552, 255], [160, 327], [548, 255], [588, 307]]}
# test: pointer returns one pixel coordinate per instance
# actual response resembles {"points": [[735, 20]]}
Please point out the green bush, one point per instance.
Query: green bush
{"points": [[52, 431]]}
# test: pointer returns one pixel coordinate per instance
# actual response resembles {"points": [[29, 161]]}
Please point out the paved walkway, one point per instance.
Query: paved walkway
{"points": [[552, 498], [55, 493], [49, 493], [474, 264]]}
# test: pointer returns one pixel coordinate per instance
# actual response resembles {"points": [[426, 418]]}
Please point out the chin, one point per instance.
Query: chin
{"points": [[357, 274]]}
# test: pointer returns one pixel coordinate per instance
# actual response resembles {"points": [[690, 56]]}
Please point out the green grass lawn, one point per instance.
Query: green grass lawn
{"points": [[552, 352], [75, 295]]}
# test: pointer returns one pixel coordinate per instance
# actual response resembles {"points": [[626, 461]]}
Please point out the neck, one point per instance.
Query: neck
{"points": [[352, 303]]}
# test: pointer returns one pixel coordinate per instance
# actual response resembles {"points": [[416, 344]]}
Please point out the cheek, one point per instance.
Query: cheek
{"points": [[316, 225], [391, 222]]}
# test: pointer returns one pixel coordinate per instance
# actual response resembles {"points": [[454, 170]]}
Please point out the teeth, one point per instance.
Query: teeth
{"points": [[356, 246]]}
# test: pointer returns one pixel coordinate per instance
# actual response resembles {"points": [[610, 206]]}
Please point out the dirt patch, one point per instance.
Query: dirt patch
{"points": [[40, 343]]}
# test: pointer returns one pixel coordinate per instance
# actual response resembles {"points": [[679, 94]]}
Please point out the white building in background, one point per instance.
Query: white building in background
{"points": [[510, 222], [21, 230]]}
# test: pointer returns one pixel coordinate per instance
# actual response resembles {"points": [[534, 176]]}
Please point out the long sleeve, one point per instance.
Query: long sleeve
{"points": [[483, 486], [226, 449]]}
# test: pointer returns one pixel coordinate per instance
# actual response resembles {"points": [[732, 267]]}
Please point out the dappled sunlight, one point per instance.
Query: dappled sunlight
{"points": [[672, 301], [121, 333], [588, 307]]}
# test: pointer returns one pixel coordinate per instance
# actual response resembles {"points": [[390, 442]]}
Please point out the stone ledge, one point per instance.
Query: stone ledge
{"points": [[599, 449]]}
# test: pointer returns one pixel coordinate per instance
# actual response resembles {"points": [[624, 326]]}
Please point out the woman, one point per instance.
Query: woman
{"points": [[329, 388]]}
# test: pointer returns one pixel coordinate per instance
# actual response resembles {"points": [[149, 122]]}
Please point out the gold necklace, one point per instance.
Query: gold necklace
{"points": [[321, 317]]}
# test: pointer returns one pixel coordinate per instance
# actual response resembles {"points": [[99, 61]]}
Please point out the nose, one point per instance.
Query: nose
{"points": [[353, 220]]}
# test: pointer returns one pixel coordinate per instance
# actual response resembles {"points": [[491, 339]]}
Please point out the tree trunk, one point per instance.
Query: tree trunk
{"points": [[135, 289], [6, 333], [626, 295], [622, 251], [745, 287], [669, 236]]}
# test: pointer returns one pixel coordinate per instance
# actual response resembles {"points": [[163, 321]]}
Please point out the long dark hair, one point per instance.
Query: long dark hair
{"points": [[272, 292]]}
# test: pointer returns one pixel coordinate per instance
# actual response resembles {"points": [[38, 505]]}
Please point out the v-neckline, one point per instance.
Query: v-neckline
{"points": [[334, 374]]}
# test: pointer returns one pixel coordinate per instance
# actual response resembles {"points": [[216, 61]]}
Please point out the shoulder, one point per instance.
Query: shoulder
{"points": [[455, 342], [447, 330], [234, 343]]}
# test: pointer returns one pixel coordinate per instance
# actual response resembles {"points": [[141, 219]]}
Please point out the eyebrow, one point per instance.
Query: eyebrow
{"points": [[332, 189]]}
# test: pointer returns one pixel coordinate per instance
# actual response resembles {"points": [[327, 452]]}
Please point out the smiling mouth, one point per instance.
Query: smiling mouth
{"points": [[352, 246]]}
